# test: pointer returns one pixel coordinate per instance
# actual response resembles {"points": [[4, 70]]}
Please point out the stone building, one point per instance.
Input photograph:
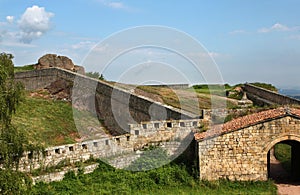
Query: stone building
{"points": [[240, 149]]}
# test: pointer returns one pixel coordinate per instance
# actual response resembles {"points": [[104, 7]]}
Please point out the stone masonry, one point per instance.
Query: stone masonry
{"points": [[239, 150], [114, 106], [119, 151]]}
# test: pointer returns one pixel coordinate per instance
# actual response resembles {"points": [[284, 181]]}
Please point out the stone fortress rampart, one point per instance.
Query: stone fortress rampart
{"points": [[168, 131], [266, 97], [105, 96], [119, 151]]}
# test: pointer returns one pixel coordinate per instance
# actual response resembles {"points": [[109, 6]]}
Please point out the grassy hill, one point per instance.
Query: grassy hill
{"points": [[46, 121], [188, 97]]}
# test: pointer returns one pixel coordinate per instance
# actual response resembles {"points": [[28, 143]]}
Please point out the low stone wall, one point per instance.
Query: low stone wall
{"points": [[58, 176], [268, 96], [172, 86], [100, 148], [121, 150]]}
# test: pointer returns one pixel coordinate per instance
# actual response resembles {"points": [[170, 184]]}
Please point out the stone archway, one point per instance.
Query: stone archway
{"points": [[274, 171]]}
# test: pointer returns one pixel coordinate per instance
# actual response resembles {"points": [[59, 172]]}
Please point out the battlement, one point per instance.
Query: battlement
{"points": [[150, 127]]}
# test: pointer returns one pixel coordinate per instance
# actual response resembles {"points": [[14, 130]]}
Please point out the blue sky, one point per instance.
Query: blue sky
{"points": [[257, 40]]}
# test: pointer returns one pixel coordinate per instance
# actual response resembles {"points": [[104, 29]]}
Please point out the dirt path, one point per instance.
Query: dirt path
{"points": [[281, 177]]}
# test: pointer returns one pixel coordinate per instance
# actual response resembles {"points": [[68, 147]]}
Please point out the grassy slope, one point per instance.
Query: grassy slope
{"points": [[170, 96], [170, 179], [46, 121]]}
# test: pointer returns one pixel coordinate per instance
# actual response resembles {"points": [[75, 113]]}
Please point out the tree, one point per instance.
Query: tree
{"points": [[95, 75], [13, 141]]}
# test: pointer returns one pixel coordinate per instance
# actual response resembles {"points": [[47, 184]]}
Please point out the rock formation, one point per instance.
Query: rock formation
{"points": [[53, 60]]}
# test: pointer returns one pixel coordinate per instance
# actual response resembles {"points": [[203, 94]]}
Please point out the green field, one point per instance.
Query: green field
{"points": [[170, 179], [46, 121]]}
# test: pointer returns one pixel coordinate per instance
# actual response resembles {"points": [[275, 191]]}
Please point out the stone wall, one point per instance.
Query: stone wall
{"points": [[173, 86], [100, 148], [118, 151], [58, 176], [243, 154], [37, 79], [263, 96], [114, 106]]}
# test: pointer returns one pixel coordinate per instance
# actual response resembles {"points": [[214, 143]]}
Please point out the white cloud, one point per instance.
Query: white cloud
{"points": [[237, 32], [276, 27], [84, 45], [116, 5], [10, 19], [34, 23]]}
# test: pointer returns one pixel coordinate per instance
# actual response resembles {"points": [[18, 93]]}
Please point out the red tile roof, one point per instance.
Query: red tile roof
{"points": [[246, 121]]}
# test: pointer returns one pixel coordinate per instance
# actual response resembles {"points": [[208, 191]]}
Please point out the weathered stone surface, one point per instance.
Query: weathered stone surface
{"points": [[116, 107], [262, 96], [53, 60], [240, 152], [119, 151], [60, 89]]}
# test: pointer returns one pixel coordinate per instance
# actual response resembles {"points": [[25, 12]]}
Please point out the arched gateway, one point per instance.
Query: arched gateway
{"points": [[240, 149]]}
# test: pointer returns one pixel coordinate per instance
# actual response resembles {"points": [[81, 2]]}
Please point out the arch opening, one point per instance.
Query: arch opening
{"points": [[283, 161]]}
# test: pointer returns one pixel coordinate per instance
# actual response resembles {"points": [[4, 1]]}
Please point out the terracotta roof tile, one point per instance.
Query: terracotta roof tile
{"points": [[246, 121]]}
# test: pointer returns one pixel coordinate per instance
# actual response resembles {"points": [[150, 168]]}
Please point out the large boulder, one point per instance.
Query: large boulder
{"points": [[53, 60]]}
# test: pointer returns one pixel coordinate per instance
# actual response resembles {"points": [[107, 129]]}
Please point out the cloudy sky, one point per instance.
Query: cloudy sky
{"points": [[255, 40]]}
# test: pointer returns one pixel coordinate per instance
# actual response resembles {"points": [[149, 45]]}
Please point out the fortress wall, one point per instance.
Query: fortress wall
{"points": [[114, 106], [119, 151], [82, 151], [36, 79], [173, 86], [269, 95]]}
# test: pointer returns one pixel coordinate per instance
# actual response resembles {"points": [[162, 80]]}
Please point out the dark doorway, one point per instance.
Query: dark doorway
{"points": [[284, 162]]}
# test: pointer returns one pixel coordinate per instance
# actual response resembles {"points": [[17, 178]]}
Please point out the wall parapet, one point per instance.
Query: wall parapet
{"points": [[270, 95], [111, 146], [148, 127]]}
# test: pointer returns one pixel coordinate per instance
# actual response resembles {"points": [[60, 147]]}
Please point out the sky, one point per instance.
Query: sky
{"points": [[248, 41]]}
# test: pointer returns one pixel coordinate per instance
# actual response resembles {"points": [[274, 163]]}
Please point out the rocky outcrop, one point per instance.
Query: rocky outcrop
{"points": [[53, 60], [60, 89]]}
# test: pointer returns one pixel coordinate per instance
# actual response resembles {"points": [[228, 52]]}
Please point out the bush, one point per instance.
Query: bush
{"points": [[265, 86]]}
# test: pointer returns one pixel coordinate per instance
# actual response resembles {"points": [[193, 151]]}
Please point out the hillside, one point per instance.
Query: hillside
{"points": [[185, 98], [46, 121]]}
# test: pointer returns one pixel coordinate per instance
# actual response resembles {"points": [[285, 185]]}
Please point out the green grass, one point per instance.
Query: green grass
{"points": [[283, 154], [203, 93], [265, 86], [48, 122], [170, 179], [219, 90], [24, 68]]}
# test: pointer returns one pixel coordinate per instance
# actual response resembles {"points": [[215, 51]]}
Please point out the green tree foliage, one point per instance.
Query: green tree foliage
{"points": [[95, 75], [13, 141], [10, 95]]}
